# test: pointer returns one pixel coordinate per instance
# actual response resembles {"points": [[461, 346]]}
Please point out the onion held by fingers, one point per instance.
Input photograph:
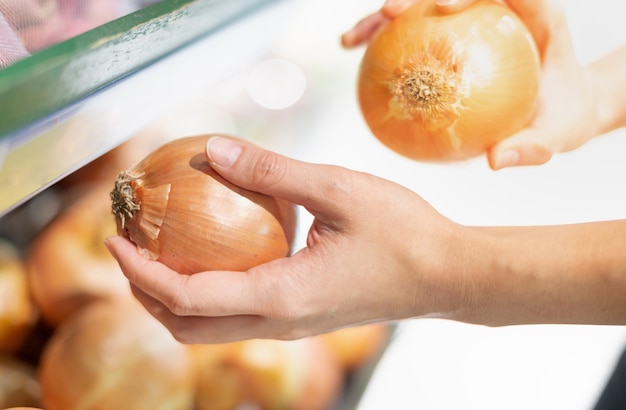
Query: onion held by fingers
{"points": [[178, 210], [435, 87]]}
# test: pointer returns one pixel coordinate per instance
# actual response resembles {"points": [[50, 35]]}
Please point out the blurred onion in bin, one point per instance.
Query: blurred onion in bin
{"points": [[27, 26]]}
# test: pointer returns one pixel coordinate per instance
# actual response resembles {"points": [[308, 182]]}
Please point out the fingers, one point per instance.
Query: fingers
{"points": [[393, 8], [363, 30], [319, 188], [202, 329], [527, 147], [212, 293], [542, 18], [210, 307]]}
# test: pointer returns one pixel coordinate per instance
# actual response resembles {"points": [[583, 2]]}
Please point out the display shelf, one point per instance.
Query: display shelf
{"points": [[68, 104]]}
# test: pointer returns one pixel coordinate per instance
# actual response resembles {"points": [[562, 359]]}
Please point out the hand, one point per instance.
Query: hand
{"points": [[566, 115], [363, 31], [374, 252]]}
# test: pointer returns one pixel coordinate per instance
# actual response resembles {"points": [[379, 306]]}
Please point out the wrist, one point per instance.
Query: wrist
{"points": [[545, 274], [608, 87], [449, 273], [487, 272], [499, 277]]}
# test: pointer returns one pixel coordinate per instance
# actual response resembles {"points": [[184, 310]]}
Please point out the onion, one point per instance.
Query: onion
{"points": [[18, 314], [436, 87], [68, 264], [267, 374], [186, 119], [323, 379], [354, 347], [114, 355], [18, 383], [178, 210]]}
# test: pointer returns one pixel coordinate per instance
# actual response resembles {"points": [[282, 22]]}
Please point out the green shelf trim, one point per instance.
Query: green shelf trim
{"points": [[51, 80]]}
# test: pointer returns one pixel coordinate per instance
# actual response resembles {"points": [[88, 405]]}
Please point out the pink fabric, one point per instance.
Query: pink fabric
{"points": [[27, 26], [11, 47]]}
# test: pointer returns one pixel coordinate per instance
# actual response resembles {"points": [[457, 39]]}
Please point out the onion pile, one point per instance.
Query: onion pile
{"points": [[178, 210], [103, 350], [114, 355], [68, 264], [354, 347], [18, 383], [436, 87], [267, 374], [18, 314]]}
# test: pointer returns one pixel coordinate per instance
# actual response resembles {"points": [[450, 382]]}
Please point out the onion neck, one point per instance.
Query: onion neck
{"points": [[123, 203]]}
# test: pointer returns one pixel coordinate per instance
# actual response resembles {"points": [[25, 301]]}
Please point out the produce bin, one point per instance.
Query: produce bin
{"points": [[162, 70]]}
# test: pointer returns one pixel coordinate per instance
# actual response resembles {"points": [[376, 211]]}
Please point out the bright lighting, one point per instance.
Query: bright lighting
{"points": [[276, 84]]}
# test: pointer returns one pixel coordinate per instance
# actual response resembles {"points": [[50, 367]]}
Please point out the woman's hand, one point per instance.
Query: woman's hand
{"points": [[363, 31], [576, 103], [375, 251]]}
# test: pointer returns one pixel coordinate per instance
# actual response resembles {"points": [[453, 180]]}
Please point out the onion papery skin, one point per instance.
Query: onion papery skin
{"points": [[436, 87], [191, 219], [114, 355], [18, 314], [355, 347], [267, 374], [68, 266], [18, 383]]}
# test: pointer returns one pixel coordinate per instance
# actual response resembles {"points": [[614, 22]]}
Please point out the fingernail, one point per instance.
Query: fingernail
{"points": [[508, 158], [222, 151], [347, 39], [107, 243]]}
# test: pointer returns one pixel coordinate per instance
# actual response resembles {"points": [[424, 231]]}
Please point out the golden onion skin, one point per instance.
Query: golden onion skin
{"points": [[436, 87], [18, 313], [114, 355], [68, 266], [192, 220]]}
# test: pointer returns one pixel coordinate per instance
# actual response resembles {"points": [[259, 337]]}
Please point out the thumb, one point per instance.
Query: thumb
{"points": [[527, 147], [251, 167]]}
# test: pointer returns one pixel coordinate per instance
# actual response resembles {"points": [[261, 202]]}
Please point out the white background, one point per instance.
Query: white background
{"points": [[435, 364]]}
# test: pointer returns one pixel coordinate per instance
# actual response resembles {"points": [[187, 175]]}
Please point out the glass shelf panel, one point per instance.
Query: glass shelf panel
{"points": [[68, 104]]}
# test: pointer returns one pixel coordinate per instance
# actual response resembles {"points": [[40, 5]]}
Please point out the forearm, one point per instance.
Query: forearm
{"points": [[552, 274], [610, 83]]}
